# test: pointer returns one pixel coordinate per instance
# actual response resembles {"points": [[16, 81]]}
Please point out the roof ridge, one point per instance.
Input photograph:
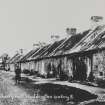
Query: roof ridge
{"points": [[95, 32]]}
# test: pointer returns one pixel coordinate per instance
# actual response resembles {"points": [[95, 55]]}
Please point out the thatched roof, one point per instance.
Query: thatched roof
{"points": [[37, 54], [68, 44], [15, 58], [28, 55], [95, 39]]}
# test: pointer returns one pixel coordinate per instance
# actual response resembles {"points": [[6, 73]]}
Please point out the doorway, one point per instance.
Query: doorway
{"points": [[79, 69]]}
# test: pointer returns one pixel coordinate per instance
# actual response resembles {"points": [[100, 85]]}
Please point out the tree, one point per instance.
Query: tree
{"points": [[5, 57]]}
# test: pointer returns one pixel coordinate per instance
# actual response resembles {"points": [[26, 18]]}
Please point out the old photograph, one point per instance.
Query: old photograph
{"points": [[52, 52]]}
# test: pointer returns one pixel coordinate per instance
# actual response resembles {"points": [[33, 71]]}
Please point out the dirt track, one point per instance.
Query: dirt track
{"points": [[20, 94], [23, 93]]}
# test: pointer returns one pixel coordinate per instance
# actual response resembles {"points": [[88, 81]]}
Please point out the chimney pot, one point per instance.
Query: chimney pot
{"points": [[71, 31], [96, 21], [54, 38]]}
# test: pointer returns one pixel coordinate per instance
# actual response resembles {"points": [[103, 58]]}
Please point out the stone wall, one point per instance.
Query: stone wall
{"points": [[99, 64]]}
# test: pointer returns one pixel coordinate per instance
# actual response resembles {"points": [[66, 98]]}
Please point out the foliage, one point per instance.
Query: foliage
{"points": [[5, 57]]}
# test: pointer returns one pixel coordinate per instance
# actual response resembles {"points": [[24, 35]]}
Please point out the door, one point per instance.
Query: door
{"points": [[79, 69]]}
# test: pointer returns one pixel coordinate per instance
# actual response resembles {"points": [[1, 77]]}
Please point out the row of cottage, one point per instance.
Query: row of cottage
{"points": [[79, 56]]}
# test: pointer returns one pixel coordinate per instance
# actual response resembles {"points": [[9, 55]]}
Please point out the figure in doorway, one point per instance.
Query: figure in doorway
{"points": [[83, 70], [80, 70]]}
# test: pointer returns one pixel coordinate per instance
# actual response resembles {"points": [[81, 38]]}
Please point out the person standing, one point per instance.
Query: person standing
{"points": [[17, 74]]}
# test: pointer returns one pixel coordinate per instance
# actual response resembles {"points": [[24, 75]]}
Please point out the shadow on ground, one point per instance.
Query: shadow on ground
{"points": [[55, 92], [96, 103]]}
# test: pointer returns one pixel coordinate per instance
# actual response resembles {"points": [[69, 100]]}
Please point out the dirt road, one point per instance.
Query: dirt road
{"points": [[30, 93], [20, 94]]}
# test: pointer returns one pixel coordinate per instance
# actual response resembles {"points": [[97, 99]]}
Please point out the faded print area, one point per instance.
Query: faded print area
{"points": [[66, 60]]}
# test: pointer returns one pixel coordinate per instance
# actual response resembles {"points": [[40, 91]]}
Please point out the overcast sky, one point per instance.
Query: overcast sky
{"points": [[24, 22]]}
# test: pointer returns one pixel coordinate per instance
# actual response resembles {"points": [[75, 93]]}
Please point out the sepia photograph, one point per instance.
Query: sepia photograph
{"points": [[52, 52]]}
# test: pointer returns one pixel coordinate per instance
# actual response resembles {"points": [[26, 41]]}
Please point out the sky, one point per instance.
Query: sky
{"points": [[25, 22]]}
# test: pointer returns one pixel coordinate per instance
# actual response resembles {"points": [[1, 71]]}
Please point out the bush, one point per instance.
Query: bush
{"points": [[100, 82], [26, 71], [41, 75], [63, 77], [32, 72], [49, 75]]}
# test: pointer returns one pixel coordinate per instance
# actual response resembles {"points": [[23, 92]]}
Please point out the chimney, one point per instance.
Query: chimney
{"points": [[96, 21], [21, 51], [35, 46], [54, 38], [39, 45], [71, 31]]}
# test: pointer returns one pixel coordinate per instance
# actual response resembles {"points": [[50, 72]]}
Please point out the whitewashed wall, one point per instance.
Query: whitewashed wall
{"points": [[12, 67]]}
